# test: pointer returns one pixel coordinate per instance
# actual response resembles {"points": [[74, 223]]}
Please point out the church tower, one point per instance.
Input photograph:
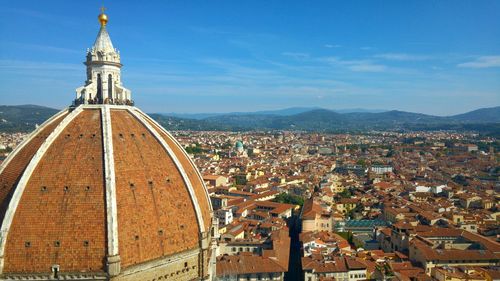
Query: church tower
{"points": [[103, 84]]}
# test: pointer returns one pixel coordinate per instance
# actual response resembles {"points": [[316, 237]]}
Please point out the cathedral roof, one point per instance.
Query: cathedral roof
{"points": [[98, 179]]}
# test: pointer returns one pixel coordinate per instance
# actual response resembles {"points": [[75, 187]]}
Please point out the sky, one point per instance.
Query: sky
{"points": [[434, 57]]}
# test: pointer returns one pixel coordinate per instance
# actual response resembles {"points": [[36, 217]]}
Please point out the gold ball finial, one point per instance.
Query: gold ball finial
{"points": [[103, 18]]}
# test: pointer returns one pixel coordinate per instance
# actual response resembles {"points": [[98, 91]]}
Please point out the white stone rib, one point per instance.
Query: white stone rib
{"points": [[29, 138], [21, 185], [192, 194], [109, 172], [183, 151]]}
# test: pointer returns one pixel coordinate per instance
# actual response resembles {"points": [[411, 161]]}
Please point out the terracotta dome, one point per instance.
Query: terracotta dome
{"points": [[101, 191]]}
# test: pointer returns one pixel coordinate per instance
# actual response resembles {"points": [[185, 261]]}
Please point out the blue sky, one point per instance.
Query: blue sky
{"points": [[435, 57]]}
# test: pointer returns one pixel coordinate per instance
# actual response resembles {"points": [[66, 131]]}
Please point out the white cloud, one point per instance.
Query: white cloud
{"points": [[482, 62], [332, 46], [356, 65], [402, 57]]}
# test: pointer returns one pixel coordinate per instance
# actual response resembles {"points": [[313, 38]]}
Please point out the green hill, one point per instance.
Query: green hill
{"points": [[23, 118], [485, 121]]}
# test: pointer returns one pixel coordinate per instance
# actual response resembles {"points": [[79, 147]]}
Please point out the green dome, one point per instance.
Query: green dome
{"points": [[239, 144]]}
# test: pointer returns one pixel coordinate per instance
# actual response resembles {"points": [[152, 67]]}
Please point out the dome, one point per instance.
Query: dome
{"points": [[96, 182], [103, 192], [239, 144]]}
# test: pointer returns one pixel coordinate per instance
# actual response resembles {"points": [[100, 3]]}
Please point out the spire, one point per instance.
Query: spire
{"points": [[103, 41]]}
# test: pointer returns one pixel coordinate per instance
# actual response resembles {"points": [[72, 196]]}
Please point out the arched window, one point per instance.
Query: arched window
{"points": [[99, 88], [110, 86]]}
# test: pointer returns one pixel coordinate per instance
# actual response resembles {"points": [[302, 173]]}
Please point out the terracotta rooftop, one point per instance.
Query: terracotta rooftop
{"points": [[311, 209], [272, 260], [453, 254], [336, 264]]}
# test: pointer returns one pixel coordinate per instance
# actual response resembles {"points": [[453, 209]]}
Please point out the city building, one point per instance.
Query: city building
{"points": [[215, 180], [452, 248], [314, 218], [318, 268], [257, 263], [381, 169]]}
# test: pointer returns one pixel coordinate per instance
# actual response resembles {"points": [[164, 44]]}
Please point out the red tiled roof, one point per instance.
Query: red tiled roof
{"points": [[273, 260]]}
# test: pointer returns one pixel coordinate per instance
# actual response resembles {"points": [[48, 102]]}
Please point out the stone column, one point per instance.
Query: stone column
{"points": [[113, 264]]}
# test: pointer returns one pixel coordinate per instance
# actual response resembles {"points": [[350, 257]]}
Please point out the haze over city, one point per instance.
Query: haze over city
{"points": [[433, 57]]}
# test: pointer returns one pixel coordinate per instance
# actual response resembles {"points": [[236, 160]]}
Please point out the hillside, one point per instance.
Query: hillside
{"points": [[485, 121], [323, 120], [279, 112], [23, 118], [491, 114]]}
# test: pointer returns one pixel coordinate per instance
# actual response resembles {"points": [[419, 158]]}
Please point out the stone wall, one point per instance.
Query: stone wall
{"points": [[184, 266]]}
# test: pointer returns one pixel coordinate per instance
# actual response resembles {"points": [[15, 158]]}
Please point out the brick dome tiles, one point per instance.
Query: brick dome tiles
{"points": [[56, 200]]}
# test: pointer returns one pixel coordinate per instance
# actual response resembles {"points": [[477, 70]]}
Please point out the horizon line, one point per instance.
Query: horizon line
{"points": [[280, 109]]}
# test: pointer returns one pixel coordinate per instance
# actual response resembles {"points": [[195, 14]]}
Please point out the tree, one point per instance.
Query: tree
{"points": [[240, 179], [345, 194], [194, 149], [289, 199], [6, 150]]}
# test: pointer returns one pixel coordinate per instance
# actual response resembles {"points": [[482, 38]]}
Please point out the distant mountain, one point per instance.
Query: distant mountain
{"points": [[197, 116], [485, 121], [323, 120], [23, 118], [286, 111], [176, 123], [314, 120], [491, 114], [278, 112], [364, 110]]}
